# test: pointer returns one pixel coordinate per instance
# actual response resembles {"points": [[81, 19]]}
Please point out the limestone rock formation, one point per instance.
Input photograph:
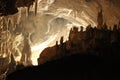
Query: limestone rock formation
{"points": [[98, 41]]}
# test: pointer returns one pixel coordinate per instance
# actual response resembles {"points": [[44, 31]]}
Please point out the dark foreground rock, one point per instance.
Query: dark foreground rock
{"points": [[75, 67]]}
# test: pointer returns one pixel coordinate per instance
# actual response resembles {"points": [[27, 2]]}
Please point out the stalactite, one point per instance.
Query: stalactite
{"points": [[4, 36], [0, 36], [7, 36], [14, 19], [36, 6], [28, 9], [1, 49], [19, 15]]}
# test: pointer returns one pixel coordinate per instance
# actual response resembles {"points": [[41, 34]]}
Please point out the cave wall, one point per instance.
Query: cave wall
{"points": [[9, 7]]}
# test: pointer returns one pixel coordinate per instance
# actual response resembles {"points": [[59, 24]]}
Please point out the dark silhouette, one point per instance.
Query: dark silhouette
{"points": [[100, 19], [9, 7], [75, 67]]}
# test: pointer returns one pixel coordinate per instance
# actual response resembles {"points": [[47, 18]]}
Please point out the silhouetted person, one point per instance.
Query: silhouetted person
{"points": [[115, 27], [105, 26], [81, 28], [61, 41]]}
